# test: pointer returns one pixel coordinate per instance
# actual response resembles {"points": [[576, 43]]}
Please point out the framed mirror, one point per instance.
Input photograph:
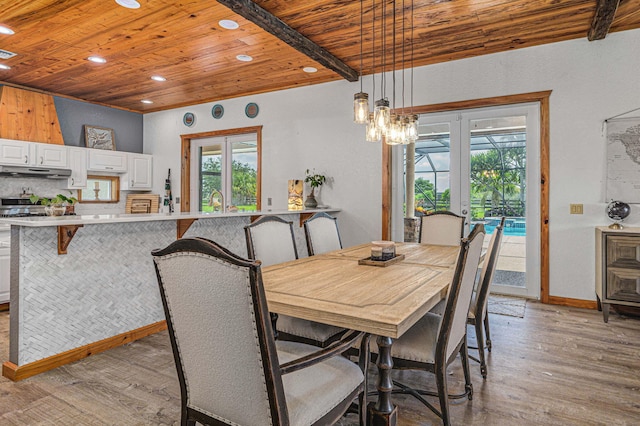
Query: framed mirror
{"points": [[100, 189]]}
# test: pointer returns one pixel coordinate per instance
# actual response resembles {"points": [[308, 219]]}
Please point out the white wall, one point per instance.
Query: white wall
{"points": [[312, 127]]}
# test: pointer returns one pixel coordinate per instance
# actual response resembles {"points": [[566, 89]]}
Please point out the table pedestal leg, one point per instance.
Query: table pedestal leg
{"points": [[383, 412]]}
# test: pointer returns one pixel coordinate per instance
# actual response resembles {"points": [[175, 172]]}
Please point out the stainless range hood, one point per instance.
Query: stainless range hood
{"points": [[44, 172]]}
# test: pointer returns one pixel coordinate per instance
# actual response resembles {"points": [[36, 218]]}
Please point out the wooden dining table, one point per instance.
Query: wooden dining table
{"points": [[333, 288]]}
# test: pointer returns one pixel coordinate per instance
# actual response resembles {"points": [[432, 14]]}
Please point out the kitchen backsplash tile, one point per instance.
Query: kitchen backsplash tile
{"points": [[13, 187]]}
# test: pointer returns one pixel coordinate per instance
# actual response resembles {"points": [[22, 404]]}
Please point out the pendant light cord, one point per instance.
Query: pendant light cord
{"points": [[403, 64], [361, 13], [393, 57], [383, 78], [373, 49], [412, 56]]}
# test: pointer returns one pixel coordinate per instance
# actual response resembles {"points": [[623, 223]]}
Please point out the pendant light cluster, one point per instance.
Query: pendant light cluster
{"points": [[383, 123]]}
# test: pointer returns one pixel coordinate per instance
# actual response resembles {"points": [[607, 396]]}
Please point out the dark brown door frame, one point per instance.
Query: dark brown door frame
{"points": [[185, 175], [543, 99]]}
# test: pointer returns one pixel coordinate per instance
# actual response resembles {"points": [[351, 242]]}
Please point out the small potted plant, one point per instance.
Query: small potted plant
{"points": [[314, 180], [55, 206]]}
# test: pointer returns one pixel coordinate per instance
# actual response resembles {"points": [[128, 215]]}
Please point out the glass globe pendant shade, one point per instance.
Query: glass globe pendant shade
{"points": [[372, 132], [412, 128], [404, 130], [382, 115], [393, 131], [361, 107]]}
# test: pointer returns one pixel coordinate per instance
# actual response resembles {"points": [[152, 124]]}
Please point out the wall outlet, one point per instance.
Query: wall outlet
{"points": [[177, 200], [269, 201], [575, 209]]}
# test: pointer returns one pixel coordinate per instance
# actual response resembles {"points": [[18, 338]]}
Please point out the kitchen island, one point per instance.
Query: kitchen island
{"points": [[101, 290]]}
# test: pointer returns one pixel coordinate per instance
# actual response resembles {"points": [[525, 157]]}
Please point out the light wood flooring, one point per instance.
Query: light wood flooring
{"points": [[555, 366]]}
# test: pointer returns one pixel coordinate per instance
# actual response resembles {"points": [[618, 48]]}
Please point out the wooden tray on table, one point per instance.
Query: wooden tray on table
{"points": [[382, 263]]}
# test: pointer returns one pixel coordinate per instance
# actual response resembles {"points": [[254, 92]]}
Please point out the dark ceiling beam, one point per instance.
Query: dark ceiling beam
{"points": [[602, 20], [278, 28]]}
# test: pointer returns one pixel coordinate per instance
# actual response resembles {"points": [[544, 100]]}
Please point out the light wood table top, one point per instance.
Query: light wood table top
{"points": [[334, 289]]}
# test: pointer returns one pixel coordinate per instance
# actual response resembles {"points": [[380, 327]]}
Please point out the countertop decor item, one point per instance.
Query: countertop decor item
{"points": [[142, 203], [189, 119], [251, 110], [294, 200], [55, 206], [315, 181], [617, 211], [99, 138], [217, 111]]}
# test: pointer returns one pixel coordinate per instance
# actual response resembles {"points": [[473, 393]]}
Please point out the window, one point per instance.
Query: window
{"points": [[100, 189], [225, 173]]}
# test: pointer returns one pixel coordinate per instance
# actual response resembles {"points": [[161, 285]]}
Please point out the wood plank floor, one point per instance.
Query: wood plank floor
{"points": [[555, 366]]}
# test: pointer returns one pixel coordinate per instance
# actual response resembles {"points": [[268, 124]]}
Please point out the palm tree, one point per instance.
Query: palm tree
{"points": [[497, 176]]}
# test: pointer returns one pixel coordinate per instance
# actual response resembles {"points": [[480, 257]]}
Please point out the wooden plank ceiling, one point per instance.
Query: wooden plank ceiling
{"points": [[183, 42]]}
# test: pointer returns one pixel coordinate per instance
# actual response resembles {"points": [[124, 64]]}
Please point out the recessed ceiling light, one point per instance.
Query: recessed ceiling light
{"points": [[158, 78], [146, 101], [244, 58], [228, 24], [129, 4], [97, 59], [310, 69], [6, 30], [4, 67]]}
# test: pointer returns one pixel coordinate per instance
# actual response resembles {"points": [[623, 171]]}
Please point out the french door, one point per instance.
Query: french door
{"points": [[482, 164]]}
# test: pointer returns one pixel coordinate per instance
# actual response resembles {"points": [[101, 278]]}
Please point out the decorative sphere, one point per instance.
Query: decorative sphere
{"points": [[617, 210]]}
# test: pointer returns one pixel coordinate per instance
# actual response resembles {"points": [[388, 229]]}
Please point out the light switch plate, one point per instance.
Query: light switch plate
{"points": [[575, 209]]}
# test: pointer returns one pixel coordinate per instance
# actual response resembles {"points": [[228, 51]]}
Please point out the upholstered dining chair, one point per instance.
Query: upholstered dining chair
{"points": [[435, 340], [230, 368], [478, 310], [443, 228], [321, 231], [270, 239]]}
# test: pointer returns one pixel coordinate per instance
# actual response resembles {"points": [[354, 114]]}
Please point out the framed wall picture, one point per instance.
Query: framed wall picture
{"points": [[189, 119], [217, 111], [251, 110], [99, 138]]}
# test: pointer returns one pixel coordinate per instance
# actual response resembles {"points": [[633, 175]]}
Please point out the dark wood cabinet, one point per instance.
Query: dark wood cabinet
{"points": [[617, 268]]}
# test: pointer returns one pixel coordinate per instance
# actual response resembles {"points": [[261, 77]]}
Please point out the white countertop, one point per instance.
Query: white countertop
{"points": [[42, 221]]}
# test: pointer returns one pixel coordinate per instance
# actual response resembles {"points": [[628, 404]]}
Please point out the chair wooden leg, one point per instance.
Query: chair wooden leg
{"points": [[274, 321], [486, 332], [185, 420], [464, 357], [443, 393], [480, 339]]}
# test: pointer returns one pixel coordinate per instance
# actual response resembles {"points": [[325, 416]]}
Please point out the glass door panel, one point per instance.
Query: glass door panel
{"points": [[210, 188], [432, 169], [244, 163], [497, 188], [483, 164]]}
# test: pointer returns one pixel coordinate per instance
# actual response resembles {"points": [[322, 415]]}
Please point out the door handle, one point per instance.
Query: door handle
{"points": [[26, 159], [464, 212]]}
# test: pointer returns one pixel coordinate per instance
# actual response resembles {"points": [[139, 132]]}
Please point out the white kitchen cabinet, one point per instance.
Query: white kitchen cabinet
{"points": [[78, 166], [101, 160], [139, 174], [4, 265], [33, 154], [49, 155], [14, 152]]}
